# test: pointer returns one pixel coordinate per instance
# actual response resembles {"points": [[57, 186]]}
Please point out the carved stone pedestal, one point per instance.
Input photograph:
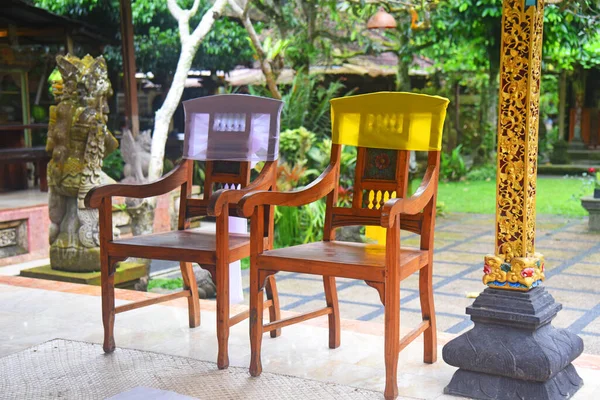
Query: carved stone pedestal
{"points": [[513, 352], [592, 205]]}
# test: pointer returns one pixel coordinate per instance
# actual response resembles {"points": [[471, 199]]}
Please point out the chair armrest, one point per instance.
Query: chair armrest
{"points": [[170, 181], [317, 189], [232, 196], [412, 205]]}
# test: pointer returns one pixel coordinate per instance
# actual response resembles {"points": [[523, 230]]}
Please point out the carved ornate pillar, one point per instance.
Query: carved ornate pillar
{"points": [[515, 264], [513, 351]]}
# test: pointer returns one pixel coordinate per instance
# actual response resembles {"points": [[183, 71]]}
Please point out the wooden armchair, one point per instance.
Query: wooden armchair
{"points": [[384, 127], [229, 132]]}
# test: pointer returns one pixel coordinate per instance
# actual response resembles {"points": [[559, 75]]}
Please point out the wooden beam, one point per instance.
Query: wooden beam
{"points": [[131, 100]]}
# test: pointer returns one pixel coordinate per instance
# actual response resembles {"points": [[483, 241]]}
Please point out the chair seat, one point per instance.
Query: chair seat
{"points": [[189, 245], [342, 259]]}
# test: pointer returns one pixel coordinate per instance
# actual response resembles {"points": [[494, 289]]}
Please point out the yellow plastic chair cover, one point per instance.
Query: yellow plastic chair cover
{"points": [[389, 120]]}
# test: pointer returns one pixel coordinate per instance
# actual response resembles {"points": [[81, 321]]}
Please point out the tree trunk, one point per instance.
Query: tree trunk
{"points": [[403, 82], [166, 111], [562, 105], [189, 47]]}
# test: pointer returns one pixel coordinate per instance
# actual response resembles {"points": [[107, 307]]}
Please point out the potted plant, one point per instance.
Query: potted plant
{"points": [[595, 181], [595, 175]]}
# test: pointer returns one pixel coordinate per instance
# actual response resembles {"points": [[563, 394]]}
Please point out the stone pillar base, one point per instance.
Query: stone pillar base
{"points": [[513, 352], [592, 205], [484, 386]]}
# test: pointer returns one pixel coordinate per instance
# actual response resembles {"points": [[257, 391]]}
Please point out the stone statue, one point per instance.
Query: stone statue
{"points": [[136, 154], [78, 140]]}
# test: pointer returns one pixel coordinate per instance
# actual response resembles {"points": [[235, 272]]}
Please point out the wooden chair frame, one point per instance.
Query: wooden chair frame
{"points": [[220, 204], [415, 214]]}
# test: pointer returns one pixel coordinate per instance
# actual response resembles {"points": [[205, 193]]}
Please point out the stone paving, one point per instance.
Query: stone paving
{"points": [[461, 240]]}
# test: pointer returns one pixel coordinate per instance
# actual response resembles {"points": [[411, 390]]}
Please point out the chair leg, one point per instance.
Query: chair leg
{"points": [[256, 322], [223, 314], [274, 311], [107, 279], [392, 338], [428, 313], [189, 282], [331, 298]]}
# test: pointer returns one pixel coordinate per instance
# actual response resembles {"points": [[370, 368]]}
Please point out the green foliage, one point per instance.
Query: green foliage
{"points": [[302, 30], [199, 174], [589, 181], [307, 103], [113, 165], [294, 144], [571, 34], [452, 166], [163, 283], [156, 37], [245, 263], [485, 172], [297, 225]]}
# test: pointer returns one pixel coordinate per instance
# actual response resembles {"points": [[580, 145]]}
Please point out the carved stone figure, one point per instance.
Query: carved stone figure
{"points": [[136, 154], [78, 140]]}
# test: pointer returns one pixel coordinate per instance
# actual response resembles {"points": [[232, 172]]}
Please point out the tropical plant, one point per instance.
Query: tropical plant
{"points": [[290, 177], [297, 225], [112, 165], [307, 103], [294, 144], [595, 177], [485, 172], [452, 166]]}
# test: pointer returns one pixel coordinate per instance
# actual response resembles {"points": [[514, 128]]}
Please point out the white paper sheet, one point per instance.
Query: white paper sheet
{"points": [[236, 293]]}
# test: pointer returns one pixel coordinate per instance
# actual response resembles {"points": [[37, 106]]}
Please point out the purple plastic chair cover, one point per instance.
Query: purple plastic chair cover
{"points": [[232, 127]]}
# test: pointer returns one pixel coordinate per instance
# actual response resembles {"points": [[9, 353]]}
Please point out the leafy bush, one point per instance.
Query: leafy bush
{"points": [[294, 144], [453, 166], [307, 103], [483, 173], [297, 225], [113, 165]]}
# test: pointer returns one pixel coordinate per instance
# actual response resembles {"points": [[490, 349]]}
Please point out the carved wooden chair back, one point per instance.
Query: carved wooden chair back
{"points": [[229, 133], [384, 127]]}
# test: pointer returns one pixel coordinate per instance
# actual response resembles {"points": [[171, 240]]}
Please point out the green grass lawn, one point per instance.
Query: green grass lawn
{"points": [[554, 196]]}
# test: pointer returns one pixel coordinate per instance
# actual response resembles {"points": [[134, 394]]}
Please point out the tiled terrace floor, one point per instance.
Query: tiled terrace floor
{"points": [[461, 241], [35, 311]]}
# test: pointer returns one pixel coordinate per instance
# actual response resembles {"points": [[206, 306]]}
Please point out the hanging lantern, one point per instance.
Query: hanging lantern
{"points": [[381, 20]]}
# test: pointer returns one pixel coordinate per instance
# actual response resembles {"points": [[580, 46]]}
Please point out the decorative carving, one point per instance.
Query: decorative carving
{"points": [[136, 154], [8, 237], [522, 28], [78, 140], [380, 164], [14, 239], [522, 273]]}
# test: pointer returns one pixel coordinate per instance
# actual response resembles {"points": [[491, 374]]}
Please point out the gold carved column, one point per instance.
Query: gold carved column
{"points": [[515, 264]]}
